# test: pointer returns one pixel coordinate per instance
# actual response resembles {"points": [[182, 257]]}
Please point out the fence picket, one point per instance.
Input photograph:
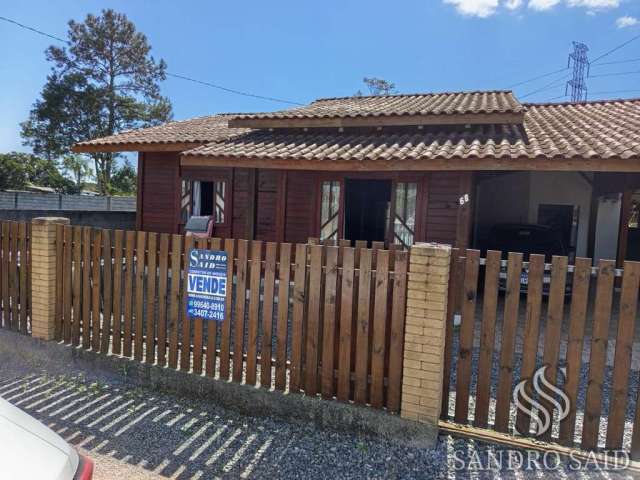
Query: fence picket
{"points": [[6, 302], [378, 352], [117, 291], [138, 344], [185, 340], [67, 275], [297, 326], [598, 357], [362, 330], [212, 327], [622, 359], [198, 324], [96, 252], [225, 328], [346, 323], [465, 352], [174, 312], [253, 325], [456, 272], [329, 322], [284, 274], [397, 328], [77, 286], [14, 284], [239, 320], [86, 287], [267, 314], [531, 333], [553, 327], [163, 261], [578, 315], [313, 320], [107, 288], [487, 337], [24, 276], [128, 293], [150, 334], [23, 273], [510, 323]]}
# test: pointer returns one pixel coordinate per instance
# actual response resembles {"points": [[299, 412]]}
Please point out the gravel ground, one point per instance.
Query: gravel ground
{"points": [[135, 433]]}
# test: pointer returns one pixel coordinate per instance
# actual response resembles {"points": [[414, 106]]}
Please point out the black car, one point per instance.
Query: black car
{"points": [[528, 239]]}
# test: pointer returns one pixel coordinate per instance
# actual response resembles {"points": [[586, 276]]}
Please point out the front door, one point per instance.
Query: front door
{"points": [[367, 204]]}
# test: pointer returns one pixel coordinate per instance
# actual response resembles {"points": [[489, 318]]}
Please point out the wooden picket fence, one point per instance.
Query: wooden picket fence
{"points": [[311, 318], [505, 334], [15, 265]]}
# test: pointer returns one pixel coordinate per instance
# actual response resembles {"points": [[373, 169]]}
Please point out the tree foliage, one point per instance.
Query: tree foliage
{"points": [[124, 181], [104, 81], [19, 170], [78, 168], [378, 86]]}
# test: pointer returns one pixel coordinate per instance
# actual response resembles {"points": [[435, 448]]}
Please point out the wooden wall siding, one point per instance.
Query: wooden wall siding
{"points": [[266, 211], [441, 220], [160, 192], [240, 202], [301, 190]]}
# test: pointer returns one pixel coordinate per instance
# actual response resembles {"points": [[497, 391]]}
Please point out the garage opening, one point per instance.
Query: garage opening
{"points": [[367, 209]]}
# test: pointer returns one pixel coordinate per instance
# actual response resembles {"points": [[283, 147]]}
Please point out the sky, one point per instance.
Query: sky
{"points": [[299, 51]]}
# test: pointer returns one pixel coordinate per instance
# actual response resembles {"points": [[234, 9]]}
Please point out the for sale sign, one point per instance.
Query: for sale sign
{"points": [[207, 284]]}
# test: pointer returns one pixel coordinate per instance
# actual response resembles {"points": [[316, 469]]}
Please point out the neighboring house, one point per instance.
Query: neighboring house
{"points": [[439, 167]]}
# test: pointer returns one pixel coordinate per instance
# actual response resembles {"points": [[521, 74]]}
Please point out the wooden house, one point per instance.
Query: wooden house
{"points": [[439, 167]]}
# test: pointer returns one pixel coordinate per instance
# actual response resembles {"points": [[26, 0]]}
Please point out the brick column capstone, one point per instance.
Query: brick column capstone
{"points": [[43, 276], [425, 324]]}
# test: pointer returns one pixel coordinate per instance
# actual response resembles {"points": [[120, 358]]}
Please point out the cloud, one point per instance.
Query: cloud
{"points": [[513, 4], [542, 5], [475, 8], [627, 21], [594, 4]]}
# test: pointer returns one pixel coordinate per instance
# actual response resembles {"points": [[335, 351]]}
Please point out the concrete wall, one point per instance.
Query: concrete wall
{"points": [[114, 220], [55, 201]]}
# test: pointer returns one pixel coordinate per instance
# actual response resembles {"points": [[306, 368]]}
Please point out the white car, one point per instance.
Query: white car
{"points": [[30, 450]]}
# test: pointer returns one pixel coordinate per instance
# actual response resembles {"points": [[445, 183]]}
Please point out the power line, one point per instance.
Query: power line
{"points": [[617, 62], [557, 82], [615, 49], [169, 74], [605, 92], [537, 78], [615, 74]]}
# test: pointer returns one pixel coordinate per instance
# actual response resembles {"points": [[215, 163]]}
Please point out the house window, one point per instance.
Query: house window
{"points": [[203, 198], [404, 220], [330, 210]]}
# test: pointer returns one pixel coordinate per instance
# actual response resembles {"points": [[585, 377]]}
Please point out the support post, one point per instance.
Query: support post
{"points": [[425, 325], [44, 276]]}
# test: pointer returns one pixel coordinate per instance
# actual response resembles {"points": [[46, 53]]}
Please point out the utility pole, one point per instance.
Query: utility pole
{"points": [[581, 66]]}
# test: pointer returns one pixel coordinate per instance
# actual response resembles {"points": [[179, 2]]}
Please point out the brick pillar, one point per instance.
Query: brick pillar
{"points": [[43, 276], [424, 332]]}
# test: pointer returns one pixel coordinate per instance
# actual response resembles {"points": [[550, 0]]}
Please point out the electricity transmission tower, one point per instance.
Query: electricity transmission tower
{"points": [[581, 66]]}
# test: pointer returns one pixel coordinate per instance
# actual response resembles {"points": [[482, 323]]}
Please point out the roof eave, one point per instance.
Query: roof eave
{"points": [[380, 120], [612, 164], [135, 147]]}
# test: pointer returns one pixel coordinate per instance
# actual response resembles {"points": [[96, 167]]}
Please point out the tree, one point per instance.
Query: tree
{"points": [[13, 174], [19, 170], [103, 82], [78, 167], [378, 86], [124, 179]]}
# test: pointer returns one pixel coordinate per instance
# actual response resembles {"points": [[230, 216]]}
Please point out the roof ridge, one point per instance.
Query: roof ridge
{"points": [[588, 102], [422, 94]]}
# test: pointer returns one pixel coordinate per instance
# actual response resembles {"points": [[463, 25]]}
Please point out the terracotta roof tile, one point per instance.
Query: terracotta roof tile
{"points": [[457, 103], [195, 130], [604, 129]]}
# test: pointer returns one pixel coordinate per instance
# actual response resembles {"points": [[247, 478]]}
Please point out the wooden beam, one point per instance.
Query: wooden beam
{"points": [[140, 191], [379, 121], [463, 224], [281, 206], [136, 147], [423, 165], [252, 198]]}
